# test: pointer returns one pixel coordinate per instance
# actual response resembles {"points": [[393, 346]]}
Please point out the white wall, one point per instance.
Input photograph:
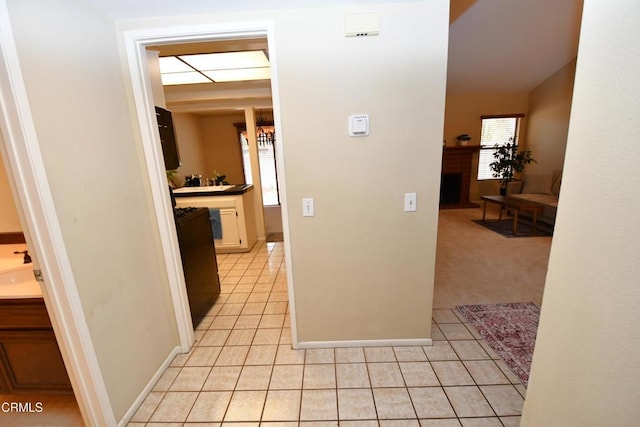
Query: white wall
{"points": [[74, 81], [585, 370]]}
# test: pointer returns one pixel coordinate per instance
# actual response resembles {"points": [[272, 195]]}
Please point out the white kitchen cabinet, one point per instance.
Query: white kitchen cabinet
{"points": [[237, 217], [230, 229]]}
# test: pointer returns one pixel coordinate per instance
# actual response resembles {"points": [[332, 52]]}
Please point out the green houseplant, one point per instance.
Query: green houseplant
{"points": [[509, 163]]}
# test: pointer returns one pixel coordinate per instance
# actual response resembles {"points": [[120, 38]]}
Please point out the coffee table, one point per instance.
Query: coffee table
{"points": [[515, 205]]}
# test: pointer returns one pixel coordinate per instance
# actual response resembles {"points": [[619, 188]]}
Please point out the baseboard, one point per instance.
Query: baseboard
{"points": [[366, 343], [145, 392]]}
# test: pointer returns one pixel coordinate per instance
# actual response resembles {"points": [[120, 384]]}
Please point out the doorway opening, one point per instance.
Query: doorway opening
{"points": [[137, 44], [31, 365], [267, 139]]}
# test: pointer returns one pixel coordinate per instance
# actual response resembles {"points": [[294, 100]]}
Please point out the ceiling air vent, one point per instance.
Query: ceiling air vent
{"points": [[361, 25]]}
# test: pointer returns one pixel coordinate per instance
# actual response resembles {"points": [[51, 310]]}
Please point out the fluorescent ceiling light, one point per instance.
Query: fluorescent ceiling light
{"points": [[171, 64], [219, 67], [227, 60], [183, 78], [239, 75]]}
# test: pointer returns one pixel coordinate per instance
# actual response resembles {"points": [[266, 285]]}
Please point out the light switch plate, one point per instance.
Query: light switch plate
{"points": [[359, 125], [410, 202], [307, 207]]}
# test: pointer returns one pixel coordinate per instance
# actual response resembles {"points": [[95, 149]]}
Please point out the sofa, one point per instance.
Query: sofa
{"points": [[538, 188]]}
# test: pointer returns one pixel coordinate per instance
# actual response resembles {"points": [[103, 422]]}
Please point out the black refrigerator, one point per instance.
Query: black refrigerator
{"points": [[198, 260]]}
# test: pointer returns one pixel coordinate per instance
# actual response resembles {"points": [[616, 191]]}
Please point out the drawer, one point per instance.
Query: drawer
{"points": [[24, 314]]}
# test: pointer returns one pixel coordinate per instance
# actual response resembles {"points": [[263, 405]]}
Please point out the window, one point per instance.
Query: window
{"points": [[496, 130], [266, 157]]}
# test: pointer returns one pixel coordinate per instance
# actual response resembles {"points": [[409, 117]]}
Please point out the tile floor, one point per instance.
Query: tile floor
{"points": [[55, 410], [242, 370]]}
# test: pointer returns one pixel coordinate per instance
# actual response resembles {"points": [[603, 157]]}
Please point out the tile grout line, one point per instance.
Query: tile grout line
{"points": [[472, 377], [280, 342]]}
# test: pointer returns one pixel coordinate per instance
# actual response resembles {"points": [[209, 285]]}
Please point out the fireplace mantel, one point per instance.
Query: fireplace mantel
{"points": [[459, 160], [463, 149]]}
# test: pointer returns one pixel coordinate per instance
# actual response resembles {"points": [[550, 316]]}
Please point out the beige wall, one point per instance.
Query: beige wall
{"points": [[222, 146], [585, 370], [386, 285], [9, 219], [190, 145], [462, 115], [273, 219], [548, 124], [92, 157], [543, 130], [209, 143], [383, 256]]}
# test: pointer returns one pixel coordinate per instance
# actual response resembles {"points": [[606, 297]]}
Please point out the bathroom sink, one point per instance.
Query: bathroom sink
{"points": [[18, 282]]}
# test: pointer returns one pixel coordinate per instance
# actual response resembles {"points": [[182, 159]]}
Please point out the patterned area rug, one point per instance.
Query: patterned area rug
{"points": [[504, 227], [510, 329]]}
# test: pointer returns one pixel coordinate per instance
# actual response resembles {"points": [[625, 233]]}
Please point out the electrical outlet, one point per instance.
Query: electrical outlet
{"points": [[410, 202]]}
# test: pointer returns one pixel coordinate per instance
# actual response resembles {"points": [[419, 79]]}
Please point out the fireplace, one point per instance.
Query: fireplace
{"points": [[456, 177], [450, 188]]}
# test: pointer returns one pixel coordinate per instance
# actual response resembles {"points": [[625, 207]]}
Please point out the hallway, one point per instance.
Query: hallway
{"points": [[242, 368]]}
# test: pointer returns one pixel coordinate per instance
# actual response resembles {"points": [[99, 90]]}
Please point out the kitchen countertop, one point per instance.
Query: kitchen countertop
{"points": [[231, 190]]}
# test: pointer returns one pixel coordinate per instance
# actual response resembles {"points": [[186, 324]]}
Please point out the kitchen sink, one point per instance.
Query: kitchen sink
{"points": [[205, 189]]}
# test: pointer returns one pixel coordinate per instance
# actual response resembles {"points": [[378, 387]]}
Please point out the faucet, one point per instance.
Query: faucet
{"points": [[27, 257]]}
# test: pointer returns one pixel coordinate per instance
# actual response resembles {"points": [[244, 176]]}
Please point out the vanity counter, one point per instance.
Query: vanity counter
{"points": [[16, 278]]}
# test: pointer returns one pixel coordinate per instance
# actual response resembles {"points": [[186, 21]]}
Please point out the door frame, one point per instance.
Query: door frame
{"points": [[34, 201], [135, 43], [21, 152]]}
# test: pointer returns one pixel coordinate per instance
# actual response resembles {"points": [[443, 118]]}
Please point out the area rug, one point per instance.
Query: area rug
{"points": [[510, 330], [504, 227]]}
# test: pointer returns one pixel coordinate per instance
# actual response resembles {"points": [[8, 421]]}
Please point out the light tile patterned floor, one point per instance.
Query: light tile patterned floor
{"points": [[243, 369], [39, 410]]}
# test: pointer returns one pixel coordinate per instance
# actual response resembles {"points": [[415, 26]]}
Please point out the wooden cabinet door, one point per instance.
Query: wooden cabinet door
{"points": [[32, 361], [4, 385]]}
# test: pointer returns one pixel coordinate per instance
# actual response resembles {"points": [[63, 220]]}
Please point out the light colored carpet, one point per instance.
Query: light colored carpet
{"points": [[477, 266]]}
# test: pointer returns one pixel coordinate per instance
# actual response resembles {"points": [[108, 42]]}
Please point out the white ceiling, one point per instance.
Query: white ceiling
{"points": [[494, 45], [138, 9], [511, 45]]}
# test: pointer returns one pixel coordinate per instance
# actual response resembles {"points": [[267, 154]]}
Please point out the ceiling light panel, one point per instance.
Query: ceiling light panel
{"points": [[227, 60], [171, 64], [238, 75], [183, 78]]}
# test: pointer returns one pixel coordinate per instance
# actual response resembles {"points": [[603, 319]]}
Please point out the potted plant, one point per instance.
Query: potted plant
{"points": [[219, 179], [509, 163], [171, 178], [463, 139]]}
